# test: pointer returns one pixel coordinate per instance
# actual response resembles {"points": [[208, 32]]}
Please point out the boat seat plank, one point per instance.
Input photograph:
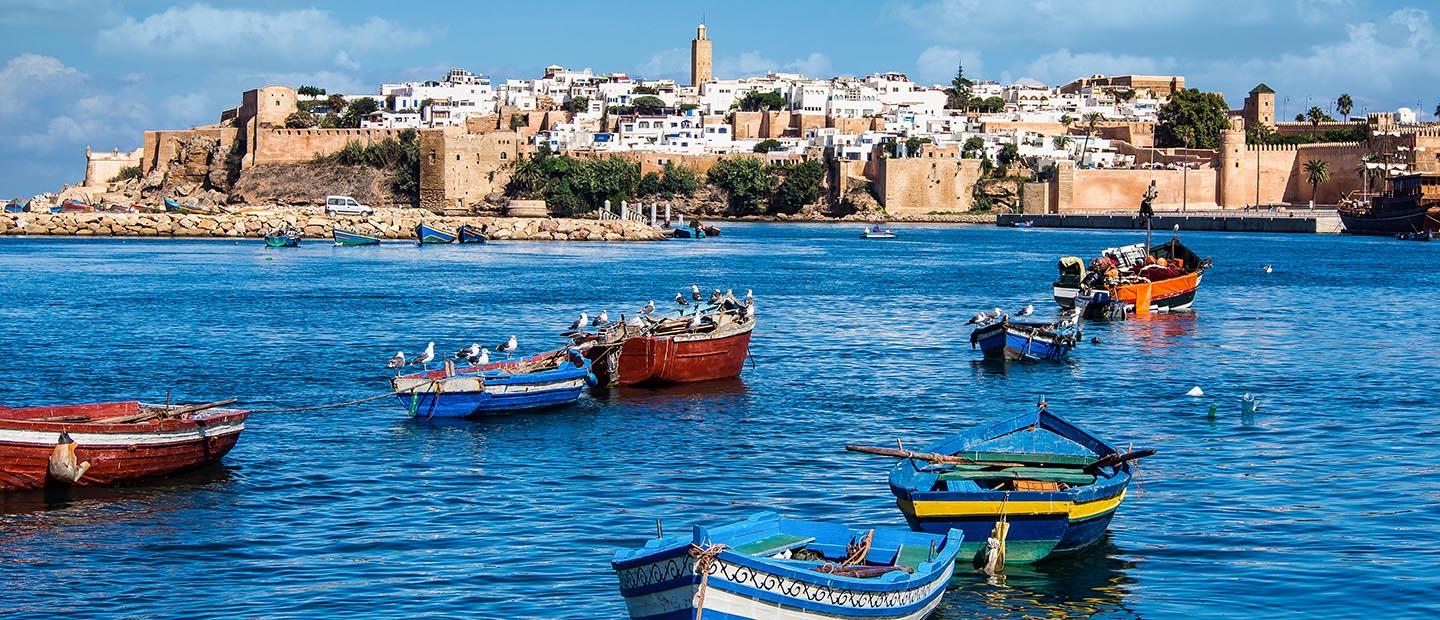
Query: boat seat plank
{"points": [[911, 556], [771, 545], [1036, 459], [1022, 473]]}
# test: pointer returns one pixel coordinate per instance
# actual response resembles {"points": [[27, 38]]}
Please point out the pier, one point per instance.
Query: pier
{"points": [[1319, 221]]}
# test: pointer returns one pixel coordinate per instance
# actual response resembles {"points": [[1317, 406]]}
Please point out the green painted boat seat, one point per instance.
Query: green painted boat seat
{"points": [[910, 556], [1068, 476], [772, 545], [1029, 459]]}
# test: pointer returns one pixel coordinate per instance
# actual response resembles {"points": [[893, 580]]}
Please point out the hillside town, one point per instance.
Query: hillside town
{"points": [[874, 144]]}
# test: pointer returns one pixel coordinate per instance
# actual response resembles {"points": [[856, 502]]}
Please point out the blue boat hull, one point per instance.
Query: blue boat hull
{"points": [[492, 389], [282, 242], [481, 403], [427, 234], [1003, 342], [470, 234], [345, 237]]}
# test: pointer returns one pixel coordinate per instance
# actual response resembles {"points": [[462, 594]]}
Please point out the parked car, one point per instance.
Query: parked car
{"points": [[345, 205]]}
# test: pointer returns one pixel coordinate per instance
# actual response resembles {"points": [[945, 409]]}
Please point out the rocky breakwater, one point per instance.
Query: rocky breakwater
{"points": [[386, 223]]}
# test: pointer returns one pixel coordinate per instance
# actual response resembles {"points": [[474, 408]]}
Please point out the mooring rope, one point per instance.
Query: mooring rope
{"points": [[704, 558], [348, 403]]}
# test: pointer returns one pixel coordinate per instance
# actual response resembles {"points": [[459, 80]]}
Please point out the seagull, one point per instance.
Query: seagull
{"points": [[424, 358], [715, 297], [397, 361], [507, 347], [601, 319], [1094, 340], [729, 292], [680, 299], [648, 308], [978, 318], [1268, 268], [695, 321], [1028, 310], [747, 311], [483, 359], [580, 323], [695, 292], [468, 352], [749, 297]]}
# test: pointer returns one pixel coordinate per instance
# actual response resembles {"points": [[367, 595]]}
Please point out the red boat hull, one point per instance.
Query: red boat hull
{"points": [[649, 360], [117, 453]]}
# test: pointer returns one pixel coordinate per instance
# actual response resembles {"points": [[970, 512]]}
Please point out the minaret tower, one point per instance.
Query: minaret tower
{"points": [[700, 63]]}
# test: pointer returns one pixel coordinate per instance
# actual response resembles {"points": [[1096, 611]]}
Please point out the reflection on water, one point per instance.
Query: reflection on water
{"points": [[1087, 584]]}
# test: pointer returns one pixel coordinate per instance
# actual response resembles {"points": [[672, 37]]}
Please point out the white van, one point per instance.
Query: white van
{"points": [[345, 205]]}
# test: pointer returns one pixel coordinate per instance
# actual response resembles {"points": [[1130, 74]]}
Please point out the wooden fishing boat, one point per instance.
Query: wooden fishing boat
{"points": [[283, 239], [668, 350], [1410, 203], [1026, 340], [710, 230], [73, 206], [17, 206], [547, 380], [1054, 486], [471, 234], [174, 206], [111, 443], [684, 232], [426, 233], [1131, 280], [877, 231], [767, 567], [350, 237]]}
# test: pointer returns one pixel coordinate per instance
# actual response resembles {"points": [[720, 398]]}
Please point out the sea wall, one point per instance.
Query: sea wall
{"points": [[388, 224]]}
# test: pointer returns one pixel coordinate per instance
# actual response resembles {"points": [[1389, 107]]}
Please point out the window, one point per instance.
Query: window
{"points": [[502, 155]]}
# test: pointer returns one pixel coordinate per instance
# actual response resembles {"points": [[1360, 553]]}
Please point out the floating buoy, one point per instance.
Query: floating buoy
{"points": [[1248, 404], [1211, 415], [1195, 391]]}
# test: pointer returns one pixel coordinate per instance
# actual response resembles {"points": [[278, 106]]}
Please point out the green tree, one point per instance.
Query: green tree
{"points": [[610, 178], [679, 180], [650, 184], [958, 96], [974, 146], [301, 119], [1317, 171], [1007, 155], [913, 144], [1091, 120], [127, 173], [756, 101], [1206, 114], [648, 105], [744, 181], [645, 90], [335, 104], [1061, 142], [767, 145], [1315, 116], [576, 105], [1300, 118], [988, 105], [357, 110], [310, 91], [800, 185], [1344, 104]]}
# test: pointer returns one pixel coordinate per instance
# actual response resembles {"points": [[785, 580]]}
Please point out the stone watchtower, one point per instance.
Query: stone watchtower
{"points": [[1237, 181], [700, 58], [1260, 108]]}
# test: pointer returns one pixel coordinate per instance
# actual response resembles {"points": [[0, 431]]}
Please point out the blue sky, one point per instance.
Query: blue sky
{"points": [[97, 72]]}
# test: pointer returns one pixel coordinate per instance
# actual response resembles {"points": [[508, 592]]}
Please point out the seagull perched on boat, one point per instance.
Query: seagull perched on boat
{"points": [[648, 308], [1028, 310], [601, 319], [423, 359], [747, 311], [694, 321], [680, 299], [978, 318], [996, 313], [396, 361], [482, 359], [468, 352], [695, 292], [715, 296], [508, 347], [580, 323], [749, 297]]}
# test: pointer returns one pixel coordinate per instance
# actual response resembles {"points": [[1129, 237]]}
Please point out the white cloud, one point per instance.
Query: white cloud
{"points": [[937, 64], [214, 33], [815, 65], [673, 63], [31, 78], [343, 60]]}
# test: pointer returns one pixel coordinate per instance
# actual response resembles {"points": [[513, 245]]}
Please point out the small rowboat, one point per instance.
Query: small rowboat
{"points": [[471, 234], [710, 231], [350, 237], [685, 232], [1423, 235], [877, 232], [1135, 283], [1054, 485], [546, 380], [1024, 224], [17, 206], [768, 567], [667, 350], [73, 206], [288, 239], [426, 233], [111, 443], [174, 206], [1025, 340]]}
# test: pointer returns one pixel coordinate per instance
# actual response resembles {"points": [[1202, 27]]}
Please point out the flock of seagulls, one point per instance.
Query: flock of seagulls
{"points": [[993, 315], [474, 355]]}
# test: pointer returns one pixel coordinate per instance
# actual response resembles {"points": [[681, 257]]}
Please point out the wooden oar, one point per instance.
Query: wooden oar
{"points": [[1111, 460], [140, 417], [931, 457]]}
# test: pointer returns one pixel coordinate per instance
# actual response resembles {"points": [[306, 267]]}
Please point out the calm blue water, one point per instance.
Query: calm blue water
{"points": [[1326, 501]]}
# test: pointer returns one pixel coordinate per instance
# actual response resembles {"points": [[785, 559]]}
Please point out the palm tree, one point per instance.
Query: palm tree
{"points": [[1061, 141], [1344, 104], [1317, 171], [1091, 120], [1315, 116]]}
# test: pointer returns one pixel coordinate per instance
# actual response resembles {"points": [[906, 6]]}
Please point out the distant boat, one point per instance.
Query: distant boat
{"points": [[284, 238], [174, 206], [122, 442], [546, 380], [877, 231], [17, 206], [1410, 203], [1056, 485], [471, 234], [1024, 224], [1423, 235], [1028, 341], [686, 233], [771, 567], [350, 237], [426, 233], [710, 231], [73, 206]]}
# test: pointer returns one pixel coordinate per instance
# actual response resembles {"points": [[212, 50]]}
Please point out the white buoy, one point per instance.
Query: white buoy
{"points": [[1248, 404], [1195, 391]]}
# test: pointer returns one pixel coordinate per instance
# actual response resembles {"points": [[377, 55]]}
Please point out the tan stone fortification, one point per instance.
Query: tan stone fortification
{"points": [[387, 224]]}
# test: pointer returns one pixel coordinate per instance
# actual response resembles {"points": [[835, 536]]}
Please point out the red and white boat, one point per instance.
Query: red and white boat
{"points": [[674, 349], [102, 444]]}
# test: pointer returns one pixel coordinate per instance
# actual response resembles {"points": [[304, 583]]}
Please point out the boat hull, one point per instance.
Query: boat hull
{"points": [[428, 235], [1053, 528], [346, 237], [471, 234], [1003, 341], [648, 360], [117, 453], [478, 392], [282, 241], [1391, 221]]}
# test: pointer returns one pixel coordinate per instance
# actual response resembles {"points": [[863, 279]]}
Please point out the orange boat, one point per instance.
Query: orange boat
{"points": [[708, 344], [1132, 280]]}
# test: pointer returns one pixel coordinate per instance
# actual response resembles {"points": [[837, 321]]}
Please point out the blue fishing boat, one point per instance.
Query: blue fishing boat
{"points": [[17, 206], [546, 380], [471, 234], [283, 239], [1053, 486], [174, 206], [350, 237], [877, 231], [1024, 340], [430, 234], [769, 567]]}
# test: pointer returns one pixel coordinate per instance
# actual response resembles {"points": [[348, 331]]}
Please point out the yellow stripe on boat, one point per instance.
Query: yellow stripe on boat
{"points": [[934, 509]]}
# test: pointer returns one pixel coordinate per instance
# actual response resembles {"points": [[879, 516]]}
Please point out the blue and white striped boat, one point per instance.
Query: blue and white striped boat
{"points": [[350, 237], [546, 380], [766, 567], [426, 233], [1028, 341]]}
